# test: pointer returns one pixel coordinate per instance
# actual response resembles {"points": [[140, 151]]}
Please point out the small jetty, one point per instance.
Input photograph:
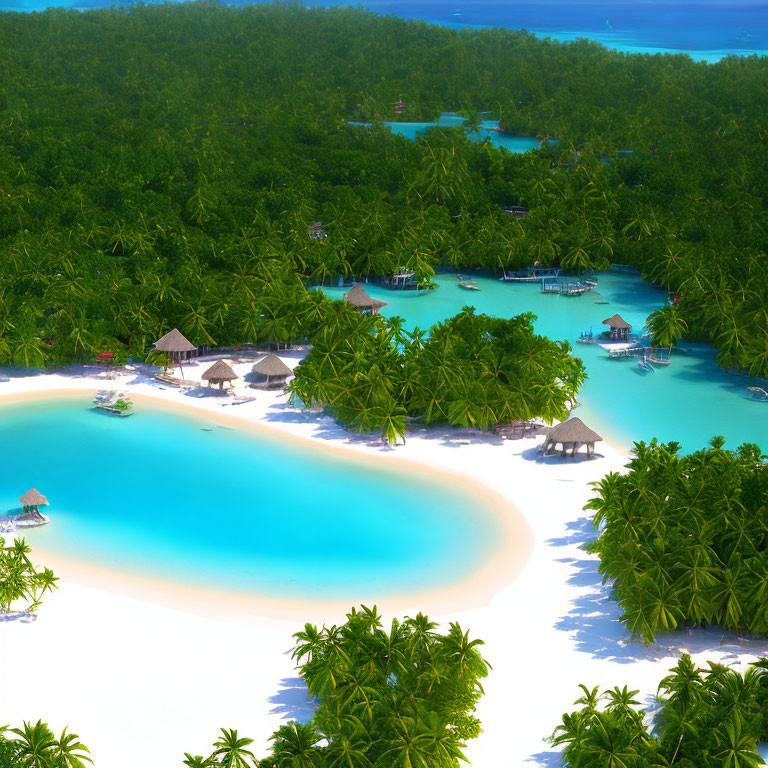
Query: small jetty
{"points": [[564, 287], [530, 275], [113, 402]]}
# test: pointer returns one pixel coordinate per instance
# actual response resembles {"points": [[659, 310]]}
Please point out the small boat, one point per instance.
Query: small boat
{"points": [[113, 402], [758, 393], [468, 285], [646, 366]]}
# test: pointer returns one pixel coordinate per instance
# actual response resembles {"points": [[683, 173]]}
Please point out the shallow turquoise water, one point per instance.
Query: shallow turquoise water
{"points": [[689, 401], [157, 495], [514, 144]]}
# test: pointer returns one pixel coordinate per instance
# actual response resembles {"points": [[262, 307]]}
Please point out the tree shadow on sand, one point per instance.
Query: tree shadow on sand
{"points": [[292, 701], [594, 615]]}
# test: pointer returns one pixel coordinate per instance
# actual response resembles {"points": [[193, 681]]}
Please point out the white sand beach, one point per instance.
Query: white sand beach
{"points": [[145, 673]]}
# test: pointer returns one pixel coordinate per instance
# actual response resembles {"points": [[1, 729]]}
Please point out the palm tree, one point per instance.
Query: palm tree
{"points": [[667, 326], [296, 746], [230, 751], [35, 744], [69, 752]]}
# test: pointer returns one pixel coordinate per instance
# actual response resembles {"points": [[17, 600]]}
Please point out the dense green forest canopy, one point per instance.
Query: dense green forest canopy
{"points": [[685, 538], [160, 166], [402, 695], [470, 371], [706, 718]]}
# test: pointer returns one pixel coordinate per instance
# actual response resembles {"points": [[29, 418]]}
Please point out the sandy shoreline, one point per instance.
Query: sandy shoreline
{"points": [[512, 548], [174, 667]]}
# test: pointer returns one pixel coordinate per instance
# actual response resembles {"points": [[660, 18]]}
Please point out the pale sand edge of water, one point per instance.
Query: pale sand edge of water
{"points": [[107, 663], [512, 547]]}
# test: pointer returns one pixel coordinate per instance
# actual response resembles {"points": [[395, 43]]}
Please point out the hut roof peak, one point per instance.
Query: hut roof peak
{"points": [[617, 321], [574, 430], [271, 365], [174, 341], [219, 371], [33, 498], [359, 297]]}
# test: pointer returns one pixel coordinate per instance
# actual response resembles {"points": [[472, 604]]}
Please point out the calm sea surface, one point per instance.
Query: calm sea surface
{"points": [[171, 496]]}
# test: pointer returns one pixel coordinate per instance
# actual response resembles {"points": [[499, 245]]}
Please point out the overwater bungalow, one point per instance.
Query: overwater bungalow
{"points": [[571, 434], [32, 500], [358, 297], [176, 347], [618, 328], [402, 281], [270, 372], [219, 373]]}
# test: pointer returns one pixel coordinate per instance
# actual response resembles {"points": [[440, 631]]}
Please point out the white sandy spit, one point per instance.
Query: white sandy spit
{"points": [[143, 680]]}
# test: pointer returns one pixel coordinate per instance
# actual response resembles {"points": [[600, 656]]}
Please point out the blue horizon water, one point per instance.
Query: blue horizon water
{"points": [[706, 30], [170, 496], [689, 401]]}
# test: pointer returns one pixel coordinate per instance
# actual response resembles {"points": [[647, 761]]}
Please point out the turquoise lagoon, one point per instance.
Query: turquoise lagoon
{"points": [[689, 401], [171, 496], [514, 144]]}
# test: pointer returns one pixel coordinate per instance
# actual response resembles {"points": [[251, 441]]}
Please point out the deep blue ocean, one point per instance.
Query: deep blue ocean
{"points": [[707, 30]]}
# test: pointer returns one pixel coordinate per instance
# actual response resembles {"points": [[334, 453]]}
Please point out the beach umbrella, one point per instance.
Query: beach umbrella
{"points": [[272, 367], [219, 373], [571, 434]]}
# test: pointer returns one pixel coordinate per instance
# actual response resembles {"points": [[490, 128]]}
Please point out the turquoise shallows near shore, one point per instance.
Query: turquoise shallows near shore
{"points": [[157, 495], [514, 144], [689, 401]]}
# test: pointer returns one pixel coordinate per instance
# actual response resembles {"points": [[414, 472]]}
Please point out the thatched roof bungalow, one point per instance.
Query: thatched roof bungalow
{"points": [[619, 328], [571, 434], [358, 297], [176, 346], [32, 499], [271, 371], [219, 373]]}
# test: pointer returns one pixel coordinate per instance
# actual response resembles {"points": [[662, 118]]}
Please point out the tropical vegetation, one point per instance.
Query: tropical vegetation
{"points": [[402, 697], [704, 718], [684, 539], [35, 746], [161, 165], [470, 371], [20, 580]]}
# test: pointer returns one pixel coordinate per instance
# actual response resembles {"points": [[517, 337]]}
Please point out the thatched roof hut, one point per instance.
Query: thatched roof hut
{"points": [[619, 327], [271, 371], [174, 341], [176, 346], [219, 373], [358, 297], [571, 434], [32, 499]]}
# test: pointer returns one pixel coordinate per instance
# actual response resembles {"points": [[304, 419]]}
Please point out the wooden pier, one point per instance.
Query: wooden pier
{"points": [[564, 287]]}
